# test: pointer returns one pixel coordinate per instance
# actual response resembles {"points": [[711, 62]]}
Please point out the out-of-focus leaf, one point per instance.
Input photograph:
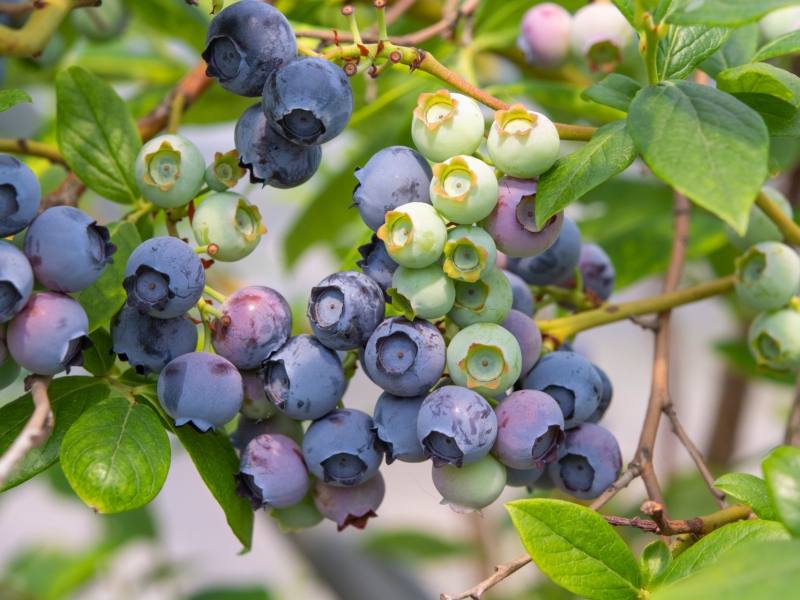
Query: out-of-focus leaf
{"points": [[232, 593], [684, 48], [176, 19], [616, 91], [410, 545], [737, 355], [749, 490], [721, 12], [737, 51], [627, 8], [782, 472], [99, 359], [9, 98]]}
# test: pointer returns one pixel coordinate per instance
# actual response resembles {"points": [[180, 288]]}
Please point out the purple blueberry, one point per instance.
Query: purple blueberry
{"points": [[392, 177], [544, 35], [530, 430], [20, 195], [523, 297], [304, 379], [164, 278], [16, 281], [339, 448], [396, 428], [571, 380], [249, 429], [344, 310], [456, 426], [376, 263], [605, 397], [472, 487], [555, 264], [405, 358], [49, 334], [272, 473], [524, 477], [350, 505], [255, 322], [588, 462], [597, 272], [149, 344], [529, 337], [202, 389]]}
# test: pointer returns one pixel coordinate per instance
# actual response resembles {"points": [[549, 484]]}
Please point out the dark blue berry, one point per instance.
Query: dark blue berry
{"points": [[396, 428], [523, 297], [555, 264], [588, 462], [376, 263], [530, 430], [605, 397], [272, 473], [20, 195], [16, 281]]}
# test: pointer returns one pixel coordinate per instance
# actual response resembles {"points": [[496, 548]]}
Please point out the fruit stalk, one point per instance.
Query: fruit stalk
{"points": [[788, 227], [31, 148]]}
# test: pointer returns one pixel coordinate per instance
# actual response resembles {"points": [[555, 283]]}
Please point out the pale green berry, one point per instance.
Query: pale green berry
{"points": [[230, 222], [469, 253], [464, 189], [169, 171], [774, 339], [760, 227], [426, 293], [414, 234], [472, 487], [523, 143], [224, 172], [768, 275], [487, 300], [485, 358], [446, 125]]}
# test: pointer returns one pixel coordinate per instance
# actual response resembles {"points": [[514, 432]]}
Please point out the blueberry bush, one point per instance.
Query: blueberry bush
{"points": [[663, 128]]}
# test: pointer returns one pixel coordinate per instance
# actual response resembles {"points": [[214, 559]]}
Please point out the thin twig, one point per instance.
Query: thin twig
{"points": [[500, 573], [19, 9], [31, 148], [792, 437]]}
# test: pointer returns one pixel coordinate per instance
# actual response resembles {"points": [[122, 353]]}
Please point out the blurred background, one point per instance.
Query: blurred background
{"points": [[179, 547]]}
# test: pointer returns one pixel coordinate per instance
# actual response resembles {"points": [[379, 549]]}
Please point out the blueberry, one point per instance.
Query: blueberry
{"points": [[20, 195], [446, 125], [169, 171], [760, 227], [512, 222], [464, 189], [605, 397], [555, 264], [472, 487], [376, 263], [487, 300], [395, 430], [768, 275], [338, 448], [528, 337], [49, 334], [405, 358], [245, 42], [101, 23], [350, 505], [426, 293], [523, 143], [485, 358], [530, 430], [147, 343], [272, 473], [16, 281], [774, 339], [597, 271], [344, 310], [308, 101], [414, 234], [200, 388], [524, 477], [456, 426], [589, 462], [4, 353], [229, 221], [256, 405], [164, 278], [572, 381], [392, 177], [522, 295], [544, 35], [224, 172], [270, 158], [599, 34], [67, 249], [469, 253], [255, 322], [303, 378], [248, 429]]}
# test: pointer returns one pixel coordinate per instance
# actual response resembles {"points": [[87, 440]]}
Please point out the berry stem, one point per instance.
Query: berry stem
{"points": [[349, 13], [788, 227], [175, 113], [143, 210], [203, 309], [380, 9], [209, 291], [572, 296], [31, 148], [306, 51], [485, 159]]}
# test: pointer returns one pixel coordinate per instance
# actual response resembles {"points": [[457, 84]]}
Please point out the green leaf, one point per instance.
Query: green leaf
{"points": [[761, 78], [97, 134], [232, 593], [9, 98], [655, 558], [102, 300], [99, 359], [616, 91], [116, 456], [738, 50], [69, 398], [721, 12], [749, 490], [684, 48], [782, 472], [662, 11], [785, 44], [762, 571], [576, 548], [176, 19], [627, 8], [609, 153], [414, 546], [709, 146], [711, 547], [781, 118]]}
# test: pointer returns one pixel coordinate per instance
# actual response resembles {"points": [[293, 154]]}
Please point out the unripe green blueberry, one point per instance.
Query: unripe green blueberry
{"points": [[414, 234], [768, 275], [426, 293], [523, 143], [224, 172], [760, 227], [470, 488], [229, 221], [774, 339], [100, 23], [446, 125], [469, 253], [464, 189], [487, 300], [169, 171], [485, 358]]}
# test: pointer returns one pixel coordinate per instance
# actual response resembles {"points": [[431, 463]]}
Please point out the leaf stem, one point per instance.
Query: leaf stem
{"points": [[31, 148], [788, 227]]}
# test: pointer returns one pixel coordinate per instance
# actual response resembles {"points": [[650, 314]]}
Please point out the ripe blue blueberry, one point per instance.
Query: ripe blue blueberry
{"points": [[524, 477], [202, 389], [528, 336], [344, 309], [49, 334], [376, 263], [164, 278], [760, 227], [427, 293], [350, 505], [303, 378], [414, 234], [774, 339], [464, 189], [67, 249], [572, 381], [588, 462], [405, 358], [487, 300], [597, 271], [530, 430], [169, 171], [249, 429], [555, 264], [392, 177], [523, 297], [229, 221], [255, 322], [446, 125], [472, 487], [396, 428], [338, 448], [308, 100], [272, 473], [20, 195], [245, 42], [768, 275], [456, 426], [149, 344], [544, 35], [485, 358], [605, 397], [469, 253], [522, 143], [16, 281]]}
